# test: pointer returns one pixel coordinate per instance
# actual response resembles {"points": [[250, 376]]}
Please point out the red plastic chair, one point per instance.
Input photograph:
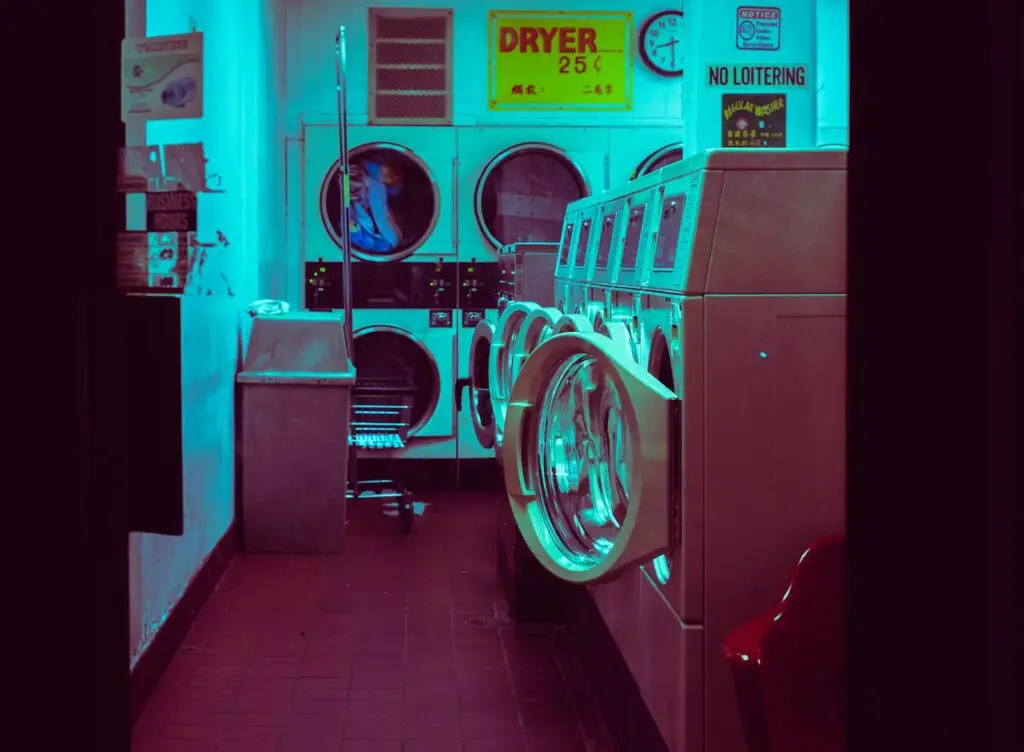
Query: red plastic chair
{"points": [[787, 664]]}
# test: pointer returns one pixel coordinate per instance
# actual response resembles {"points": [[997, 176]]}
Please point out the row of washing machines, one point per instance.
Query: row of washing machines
{"points": [[669, 410], [429, 210]]}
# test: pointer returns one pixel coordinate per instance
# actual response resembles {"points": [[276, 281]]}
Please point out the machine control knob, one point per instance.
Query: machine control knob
{"points": [[472, 318]]}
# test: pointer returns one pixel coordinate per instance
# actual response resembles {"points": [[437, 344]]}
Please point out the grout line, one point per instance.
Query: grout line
{"points": [[515, 690], [568, 691]]}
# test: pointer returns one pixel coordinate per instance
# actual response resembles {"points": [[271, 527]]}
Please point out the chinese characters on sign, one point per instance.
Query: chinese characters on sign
{"points": [[560, 60], [529, 90], [754, 121]]}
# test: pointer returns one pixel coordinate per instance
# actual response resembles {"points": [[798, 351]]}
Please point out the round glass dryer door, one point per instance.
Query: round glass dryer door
{"points": [[481, 409], [523, 192], [387, 354], [394, 202], [590, 442], [501, 364], [654, 161]]}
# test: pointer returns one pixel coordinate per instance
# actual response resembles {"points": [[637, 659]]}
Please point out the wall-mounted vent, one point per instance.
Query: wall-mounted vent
{"points": [[410, 66]]}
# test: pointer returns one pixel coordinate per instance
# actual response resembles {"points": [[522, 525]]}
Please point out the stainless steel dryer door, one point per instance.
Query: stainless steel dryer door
{"points": [[591, 458], [481, 408]]}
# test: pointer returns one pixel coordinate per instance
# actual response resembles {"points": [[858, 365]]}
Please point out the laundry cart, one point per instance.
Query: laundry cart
{"points": [[381, 410], [295, 404]]}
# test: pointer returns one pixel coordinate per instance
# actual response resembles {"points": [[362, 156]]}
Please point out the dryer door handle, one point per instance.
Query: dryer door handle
{"points": [[460, 385]]}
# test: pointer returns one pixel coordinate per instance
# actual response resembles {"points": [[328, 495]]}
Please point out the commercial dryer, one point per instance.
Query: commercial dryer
{"points": [[728, 472]]}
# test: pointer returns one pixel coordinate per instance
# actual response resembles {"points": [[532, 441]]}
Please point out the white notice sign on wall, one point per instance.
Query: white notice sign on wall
{"points": [[162, 77]]}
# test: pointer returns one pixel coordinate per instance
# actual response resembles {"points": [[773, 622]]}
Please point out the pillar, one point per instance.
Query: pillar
{"points": [[833, 72], [751, 77]]}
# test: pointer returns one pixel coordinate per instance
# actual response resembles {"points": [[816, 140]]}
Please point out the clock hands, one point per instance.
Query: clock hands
{"points": [[672, 46]]}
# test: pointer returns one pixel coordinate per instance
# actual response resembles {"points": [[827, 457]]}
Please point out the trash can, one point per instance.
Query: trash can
{"points": [[296, 394]]}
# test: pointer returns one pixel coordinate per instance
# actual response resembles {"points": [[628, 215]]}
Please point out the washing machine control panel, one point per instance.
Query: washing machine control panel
{"points": [[478, 285], [399, 284]]}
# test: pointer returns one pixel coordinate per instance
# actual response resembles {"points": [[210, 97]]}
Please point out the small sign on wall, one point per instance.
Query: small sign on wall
{"points": [[758, 28], [754, 121], [560, 60], [162, 77], [774, 76]]}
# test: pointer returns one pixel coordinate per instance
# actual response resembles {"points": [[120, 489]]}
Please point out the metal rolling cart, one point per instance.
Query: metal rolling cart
{"points": [[381, 408]]}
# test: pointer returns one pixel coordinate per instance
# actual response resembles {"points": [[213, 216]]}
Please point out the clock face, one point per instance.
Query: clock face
{"points": [[661, 43]]}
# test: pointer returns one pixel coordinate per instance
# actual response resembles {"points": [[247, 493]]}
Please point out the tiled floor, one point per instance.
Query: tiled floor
{"points": [[371, 650]]}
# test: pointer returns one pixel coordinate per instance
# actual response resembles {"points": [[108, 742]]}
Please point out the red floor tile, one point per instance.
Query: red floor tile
{"points": [[369, 651]]}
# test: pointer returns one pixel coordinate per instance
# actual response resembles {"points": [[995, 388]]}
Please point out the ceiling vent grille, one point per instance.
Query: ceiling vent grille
{"points": [[410, 66]]}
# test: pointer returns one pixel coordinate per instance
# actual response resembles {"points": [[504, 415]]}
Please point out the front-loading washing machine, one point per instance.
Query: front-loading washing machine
{"points": [[641, 150], [404, 328], [699, 497], [512, 186], [401, 187], [587, 213]]}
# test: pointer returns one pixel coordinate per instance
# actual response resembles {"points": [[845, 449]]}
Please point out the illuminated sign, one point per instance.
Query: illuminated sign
{"points": [[560, 60]]}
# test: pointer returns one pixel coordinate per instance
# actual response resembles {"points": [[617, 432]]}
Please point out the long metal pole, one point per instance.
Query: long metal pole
{"points": [[343, 170]]}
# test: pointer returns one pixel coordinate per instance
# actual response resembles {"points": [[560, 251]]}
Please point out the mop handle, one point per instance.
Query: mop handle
{"points": [[343, 174]]}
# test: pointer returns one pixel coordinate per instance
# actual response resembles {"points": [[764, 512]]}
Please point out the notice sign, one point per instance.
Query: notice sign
{"points": [[775, 76], [171, 211], [162, 77], [754, 121], [758, 28], [560, 60]]}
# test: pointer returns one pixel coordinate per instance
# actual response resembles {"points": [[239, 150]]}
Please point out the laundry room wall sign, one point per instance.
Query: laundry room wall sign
{"points": [[754, 121], [560, 60]]}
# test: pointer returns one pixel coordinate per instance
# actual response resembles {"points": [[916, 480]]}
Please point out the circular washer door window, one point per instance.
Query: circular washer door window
{"points": [[394, 202], [523, 192], [656, 160], [391, 355]]}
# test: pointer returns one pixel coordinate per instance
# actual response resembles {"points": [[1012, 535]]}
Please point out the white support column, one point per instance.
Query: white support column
{"points": [[750, 64]]}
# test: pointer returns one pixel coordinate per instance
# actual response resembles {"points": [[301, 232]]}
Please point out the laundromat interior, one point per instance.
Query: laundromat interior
{"points": [[534, 444]]}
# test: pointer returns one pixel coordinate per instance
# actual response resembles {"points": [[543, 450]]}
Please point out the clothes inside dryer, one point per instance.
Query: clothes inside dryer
{"points": [[522, 194], [658, 159], [389, 352], [394, 202]]}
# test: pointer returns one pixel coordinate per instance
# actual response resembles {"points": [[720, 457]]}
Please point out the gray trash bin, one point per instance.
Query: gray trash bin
{"points": [[296, 396]]}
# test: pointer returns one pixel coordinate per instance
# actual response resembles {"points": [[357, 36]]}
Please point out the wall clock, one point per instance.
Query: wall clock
{"points": [[661, 43]]}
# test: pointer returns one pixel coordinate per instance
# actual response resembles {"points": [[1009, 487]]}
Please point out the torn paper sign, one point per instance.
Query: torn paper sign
{"points": [[138, 166], [185, 165], [174, 167]]}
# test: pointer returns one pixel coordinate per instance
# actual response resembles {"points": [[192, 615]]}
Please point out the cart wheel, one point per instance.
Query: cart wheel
{"points": [[405, 514]]}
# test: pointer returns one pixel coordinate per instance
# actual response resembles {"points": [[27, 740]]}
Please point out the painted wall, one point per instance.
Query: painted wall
{"points": [[243, 132], [311, 64], [833, 72]]}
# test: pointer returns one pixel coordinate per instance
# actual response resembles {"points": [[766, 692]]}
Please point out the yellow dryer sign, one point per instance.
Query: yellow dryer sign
{"points": [[560, 60]]}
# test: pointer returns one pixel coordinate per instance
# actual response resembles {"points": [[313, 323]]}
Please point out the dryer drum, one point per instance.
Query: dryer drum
{"points": [[581, 473], [654, 161], [523, 192], [394, 202], [390, 352]]}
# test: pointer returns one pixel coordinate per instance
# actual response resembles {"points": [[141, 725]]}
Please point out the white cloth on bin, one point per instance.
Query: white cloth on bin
{"points": [[267, 307]]}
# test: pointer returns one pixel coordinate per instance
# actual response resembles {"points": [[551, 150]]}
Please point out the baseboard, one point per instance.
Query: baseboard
{"points": [[626, 717], [157, 657]]}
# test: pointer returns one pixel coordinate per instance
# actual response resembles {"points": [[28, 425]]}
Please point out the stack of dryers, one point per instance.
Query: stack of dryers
{"points": [[687, 504], [404, 272], [513, 188]]}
